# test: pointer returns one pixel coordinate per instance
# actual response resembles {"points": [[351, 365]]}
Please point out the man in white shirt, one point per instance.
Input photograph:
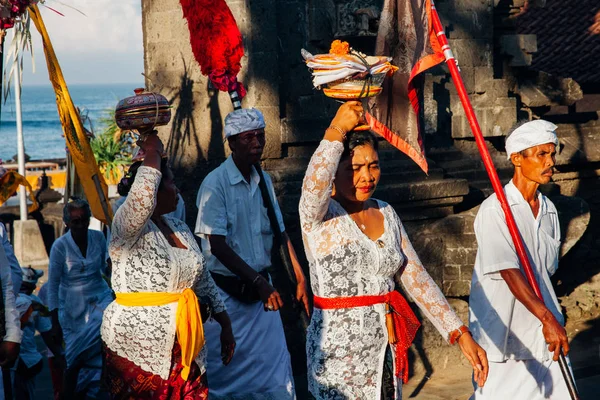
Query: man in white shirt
{"points": [[236, 239], [521, 335]]}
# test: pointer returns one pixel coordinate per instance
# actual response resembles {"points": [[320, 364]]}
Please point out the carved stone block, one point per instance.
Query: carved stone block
{"points": [[520, 48], [495, 119], [353, 18]]}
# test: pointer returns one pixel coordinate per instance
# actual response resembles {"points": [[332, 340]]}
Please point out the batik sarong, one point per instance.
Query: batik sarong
{"points": [[123, 380]]}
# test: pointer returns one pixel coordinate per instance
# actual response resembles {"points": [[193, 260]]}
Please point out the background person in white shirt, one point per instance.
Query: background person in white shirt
{"points": [[78, 295], [521, 335], [236, 241]]}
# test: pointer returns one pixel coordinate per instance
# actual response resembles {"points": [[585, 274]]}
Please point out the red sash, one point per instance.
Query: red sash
{"points": [[401, 322]]}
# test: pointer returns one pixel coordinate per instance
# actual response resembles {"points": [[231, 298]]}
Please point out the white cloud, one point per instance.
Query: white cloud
{"points": [[104, 46], [108, 25]]}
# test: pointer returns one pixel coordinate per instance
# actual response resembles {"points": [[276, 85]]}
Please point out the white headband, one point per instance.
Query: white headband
{"points": [[531, 134], [243, 120]]}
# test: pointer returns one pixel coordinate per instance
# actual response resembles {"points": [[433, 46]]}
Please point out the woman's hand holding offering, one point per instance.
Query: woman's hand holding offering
{"points": [[153, 150], [347, 118], [151, 143]]}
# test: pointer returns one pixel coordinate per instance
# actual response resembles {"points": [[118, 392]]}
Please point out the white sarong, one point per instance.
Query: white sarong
{"points": [[523, 380], [260, 368]]}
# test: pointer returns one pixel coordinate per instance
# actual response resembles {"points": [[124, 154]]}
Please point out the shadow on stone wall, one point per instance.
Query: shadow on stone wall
{"points": [[585, 358], [190, 164], [216, 147], [183, 127], [574, 281]]}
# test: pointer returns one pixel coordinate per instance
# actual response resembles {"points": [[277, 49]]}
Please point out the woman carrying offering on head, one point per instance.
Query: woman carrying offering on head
{"points": [[153, 336], [357, 248]]}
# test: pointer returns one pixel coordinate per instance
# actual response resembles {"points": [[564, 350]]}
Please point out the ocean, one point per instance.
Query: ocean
{"points": [[42, 131]]}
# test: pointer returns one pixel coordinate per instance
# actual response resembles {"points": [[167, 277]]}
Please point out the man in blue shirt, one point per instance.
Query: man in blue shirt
{"points": [[237, 239]]}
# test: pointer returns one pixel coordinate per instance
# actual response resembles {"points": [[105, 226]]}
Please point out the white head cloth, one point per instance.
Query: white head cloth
{"points": [[243, 120], [531, 134]]}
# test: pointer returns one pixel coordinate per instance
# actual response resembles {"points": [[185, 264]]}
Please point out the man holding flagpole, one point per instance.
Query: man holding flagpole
{"points": [[522, 335]]}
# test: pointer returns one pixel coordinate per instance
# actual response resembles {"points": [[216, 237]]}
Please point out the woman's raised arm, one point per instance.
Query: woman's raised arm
{"points": [[318, 181], [139, 205]]}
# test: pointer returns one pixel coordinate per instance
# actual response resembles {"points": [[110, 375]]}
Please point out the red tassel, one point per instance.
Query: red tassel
{"points": [[216, 42]]}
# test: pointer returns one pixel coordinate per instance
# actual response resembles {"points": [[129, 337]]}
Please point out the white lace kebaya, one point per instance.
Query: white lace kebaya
{"points": [[144, 261], [346, 347]]}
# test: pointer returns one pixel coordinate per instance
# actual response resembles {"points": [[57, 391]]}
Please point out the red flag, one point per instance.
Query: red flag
{"points": [[406, 34], [216, 42]]}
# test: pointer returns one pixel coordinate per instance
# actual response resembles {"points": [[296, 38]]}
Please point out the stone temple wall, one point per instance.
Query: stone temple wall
{"points": [[496, 56]]}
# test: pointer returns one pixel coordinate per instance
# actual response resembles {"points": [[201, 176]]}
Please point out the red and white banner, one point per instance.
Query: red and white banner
{"points": [[405, 33]]}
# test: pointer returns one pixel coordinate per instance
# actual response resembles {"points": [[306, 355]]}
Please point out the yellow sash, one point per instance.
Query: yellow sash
{"points": [[190, 332]]}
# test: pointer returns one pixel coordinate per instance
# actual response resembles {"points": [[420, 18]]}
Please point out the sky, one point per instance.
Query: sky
{"points": [[104, 46]]}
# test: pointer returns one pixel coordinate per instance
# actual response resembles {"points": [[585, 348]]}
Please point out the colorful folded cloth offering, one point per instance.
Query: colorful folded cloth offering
{"points": [[347, 74]]}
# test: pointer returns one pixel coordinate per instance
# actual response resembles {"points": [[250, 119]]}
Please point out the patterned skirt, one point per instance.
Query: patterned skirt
{"points": [[123, 380]]}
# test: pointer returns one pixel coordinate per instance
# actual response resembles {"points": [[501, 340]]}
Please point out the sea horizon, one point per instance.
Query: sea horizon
{"points": [[42, 130]]}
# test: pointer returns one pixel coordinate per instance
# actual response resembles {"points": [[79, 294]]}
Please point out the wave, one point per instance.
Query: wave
{"points": [[41, 125]]}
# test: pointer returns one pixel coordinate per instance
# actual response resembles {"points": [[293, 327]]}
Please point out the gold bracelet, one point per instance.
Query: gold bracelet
{"points": [[340, 130]]}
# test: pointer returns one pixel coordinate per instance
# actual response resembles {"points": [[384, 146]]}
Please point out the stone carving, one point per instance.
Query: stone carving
{"points": [[357, 18]]}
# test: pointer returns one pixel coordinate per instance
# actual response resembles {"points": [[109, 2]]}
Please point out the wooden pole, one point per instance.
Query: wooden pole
{"points": [[20, 141]]}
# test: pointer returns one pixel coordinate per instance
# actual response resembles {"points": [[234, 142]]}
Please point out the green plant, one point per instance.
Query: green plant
{"points": [[112, 153]]}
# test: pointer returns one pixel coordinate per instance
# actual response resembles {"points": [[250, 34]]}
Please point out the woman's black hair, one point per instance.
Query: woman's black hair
{"points": [[359, 138], [126, 182], [76, 203]]}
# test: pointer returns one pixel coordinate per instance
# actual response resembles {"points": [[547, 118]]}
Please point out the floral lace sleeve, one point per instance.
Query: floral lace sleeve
{"points": [[133, 215], [318, 183], [206, 289], [424, 291]]}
